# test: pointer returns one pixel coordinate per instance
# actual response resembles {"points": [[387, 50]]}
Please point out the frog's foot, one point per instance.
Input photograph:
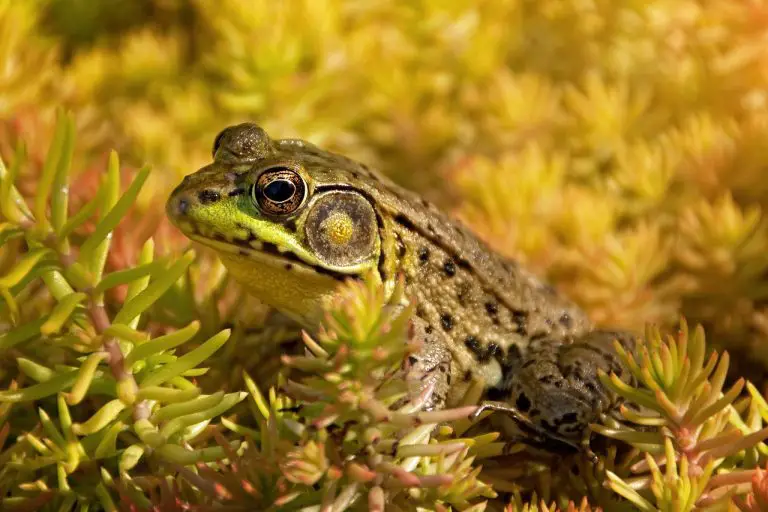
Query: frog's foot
{"points": [[555, 393], [530, 433], [427, 371]]}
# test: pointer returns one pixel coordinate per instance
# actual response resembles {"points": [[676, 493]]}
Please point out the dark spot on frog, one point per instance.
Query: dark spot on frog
{"points": [[289, 266], [208, 196], [236, 192], [511, 360], [569, 417], [492, 308], [461, 295], [404, 221], [565, 320], [468, 375], [400, 246], [496, 394], [429, 329], [521, 319], [523, 403], [412, 360], [449, 267], [474, 346], [420, 311], [547, 379], [547, 425], [423, 255], [490, 352], [446, 320]]}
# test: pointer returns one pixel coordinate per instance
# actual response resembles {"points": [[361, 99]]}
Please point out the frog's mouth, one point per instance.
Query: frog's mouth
{"points": [[258, 250]]}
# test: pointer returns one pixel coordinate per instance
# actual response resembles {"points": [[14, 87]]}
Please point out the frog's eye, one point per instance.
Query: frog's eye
{"points": [[279, 191]]}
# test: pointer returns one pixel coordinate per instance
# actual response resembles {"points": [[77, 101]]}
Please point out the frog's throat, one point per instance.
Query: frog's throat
{"points": [[294, 288], [298, 293]]}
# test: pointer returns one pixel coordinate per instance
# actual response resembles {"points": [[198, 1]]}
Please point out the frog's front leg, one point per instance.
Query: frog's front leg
{"points": [[428, 370], [555, 392]]}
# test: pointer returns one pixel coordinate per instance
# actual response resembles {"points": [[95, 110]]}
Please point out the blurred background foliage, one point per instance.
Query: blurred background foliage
{"points": [[616, 147]]}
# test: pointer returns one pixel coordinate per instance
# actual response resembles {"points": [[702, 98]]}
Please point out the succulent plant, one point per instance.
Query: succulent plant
{"points": [[646, 119]]}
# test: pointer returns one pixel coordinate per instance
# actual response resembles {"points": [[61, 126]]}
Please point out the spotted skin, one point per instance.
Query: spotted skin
{"points": [[480, 315]]}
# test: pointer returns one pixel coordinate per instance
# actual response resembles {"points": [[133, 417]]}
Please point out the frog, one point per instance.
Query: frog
{"points": [[290, 221]]}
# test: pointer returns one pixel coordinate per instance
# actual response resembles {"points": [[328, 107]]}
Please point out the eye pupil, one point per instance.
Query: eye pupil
{"points": [[279, 191]]}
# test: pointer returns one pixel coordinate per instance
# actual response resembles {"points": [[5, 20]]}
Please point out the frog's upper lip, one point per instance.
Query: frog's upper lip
{"points": [[253, 247]]}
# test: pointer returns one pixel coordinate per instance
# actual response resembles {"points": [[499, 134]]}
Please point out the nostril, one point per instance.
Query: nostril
{"points": [[182, 206]]}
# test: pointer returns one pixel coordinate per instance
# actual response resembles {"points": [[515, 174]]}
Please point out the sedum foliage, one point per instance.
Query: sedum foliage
{"points": [[615, 147]]}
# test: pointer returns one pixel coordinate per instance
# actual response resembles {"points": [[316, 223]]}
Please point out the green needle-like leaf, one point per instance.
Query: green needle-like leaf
{"points": [[12, 206], [108, 444], [80, 217], [121, 277], [85, 377], [112, 218], [21, 334], [23, 267], [135, 306], [130, 457], [167, 395], [62, 312], [49, 387], [50, 168], [180, 409], [60, 193], [124, 332], [162, 344], [106, 414], [109, 196], [182, 456], [187, 361], [180, 422]]}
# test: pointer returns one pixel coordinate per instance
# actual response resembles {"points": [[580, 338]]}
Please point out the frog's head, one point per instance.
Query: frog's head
{"points": [[283, 215]]}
